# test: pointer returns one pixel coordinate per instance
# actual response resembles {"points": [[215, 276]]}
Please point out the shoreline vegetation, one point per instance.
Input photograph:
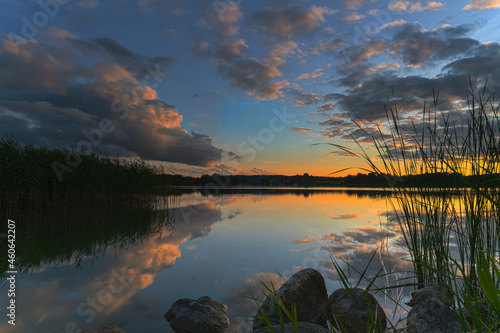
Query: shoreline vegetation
{"points": [[29, 181]]}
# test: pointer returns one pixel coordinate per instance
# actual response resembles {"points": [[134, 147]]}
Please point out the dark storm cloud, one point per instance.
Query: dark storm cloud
{"points": [[355, 76], [357, 54], [286, 22], [367, 99], [230, 53], [112, 50], [259, 79], [253, 77], [306, 98], [417, 46], [373, 88], [50, 96], [327, 107], [332, 96], [484, 64]]}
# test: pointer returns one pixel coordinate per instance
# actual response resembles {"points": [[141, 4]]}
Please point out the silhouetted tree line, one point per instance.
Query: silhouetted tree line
{"points": [[359, 180]]}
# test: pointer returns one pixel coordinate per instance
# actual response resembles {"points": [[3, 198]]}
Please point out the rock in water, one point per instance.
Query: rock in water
{"points": [[203, 315], [307, 290], [302, 327], [356, 313], [432, 316], [108, 328], [421, 295]]}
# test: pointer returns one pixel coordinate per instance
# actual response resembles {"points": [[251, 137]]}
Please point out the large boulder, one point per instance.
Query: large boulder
{"points": [[302, 327], [432, 316], [108, 328], [356, 311], [203, 315], [421, 295], [307, 290]]}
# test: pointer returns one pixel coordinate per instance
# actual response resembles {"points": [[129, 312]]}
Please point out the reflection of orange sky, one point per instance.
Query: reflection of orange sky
{"points": [[142, 264]]}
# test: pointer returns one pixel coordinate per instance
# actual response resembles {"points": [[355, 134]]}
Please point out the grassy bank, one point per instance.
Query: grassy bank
{"points": [[34, 178]]}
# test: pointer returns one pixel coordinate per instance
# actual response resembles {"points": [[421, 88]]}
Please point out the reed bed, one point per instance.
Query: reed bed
{"points": [[453, 236], [28, 181]]}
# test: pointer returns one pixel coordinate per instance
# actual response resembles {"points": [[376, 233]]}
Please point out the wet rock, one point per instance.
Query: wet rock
{"points": [[355, 312], [203, 315], [108, 328], [302, 327], [421, 295], [307, 290], [432, 316]]}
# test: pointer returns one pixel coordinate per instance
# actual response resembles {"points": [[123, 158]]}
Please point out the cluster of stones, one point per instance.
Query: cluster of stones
{"points": [[348, 310], [354, 310]]}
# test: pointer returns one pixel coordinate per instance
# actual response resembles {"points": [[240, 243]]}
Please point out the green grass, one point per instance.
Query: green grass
{"points": [[29, 180]]}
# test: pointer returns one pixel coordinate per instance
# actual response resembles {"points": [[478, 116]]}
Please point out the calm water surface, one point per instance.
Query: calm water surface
{"points": [[215, 245]]}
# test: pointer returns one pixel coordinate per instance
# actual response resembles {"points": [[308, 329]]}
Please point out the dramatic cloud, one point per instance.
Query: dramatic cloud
{"points": [[393, 24], [358, 54], [482, 4], [257, 79], [417, 6], [290, 21], [418, 47], [329, 46], [279, 51], [317, 73], [383, 66], [327, 107], [353, 17], [306, 98], [50, 95]]}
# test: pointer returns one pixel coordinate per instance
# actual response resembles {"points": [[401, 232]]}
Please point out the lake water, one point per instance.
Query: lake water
{"points": [[214, 245]]}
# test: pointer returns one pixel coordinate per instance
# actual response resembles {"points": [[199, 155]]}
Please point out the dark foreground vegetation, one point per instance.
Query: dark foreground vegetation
{"points": [[34, 178]]}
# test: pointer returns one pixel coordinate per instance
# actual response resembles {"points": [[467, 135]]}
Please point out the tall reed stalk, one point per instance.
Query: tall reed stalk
{"points": [[447, 225]]}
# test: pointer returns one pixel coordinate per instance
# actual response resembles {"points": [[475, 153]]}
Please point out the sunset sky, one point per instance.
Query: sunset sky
{"points": [[234, 87]]}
